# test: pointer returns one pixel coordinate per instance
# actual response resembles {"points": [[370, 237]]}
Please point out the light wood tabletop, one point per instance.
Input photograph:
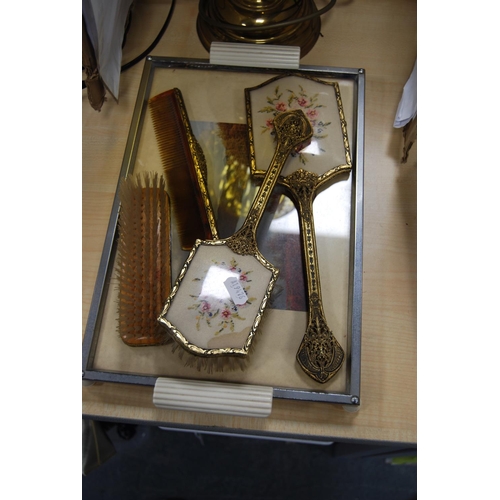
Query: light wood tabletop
{"points": [[380, 37]]}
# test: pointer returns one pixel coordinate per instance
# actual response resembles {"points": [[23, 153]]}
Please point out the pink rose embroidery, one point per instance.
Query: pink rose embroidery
{"points": [[312, 114], [222, 311], [280, 106], [282, 100]]}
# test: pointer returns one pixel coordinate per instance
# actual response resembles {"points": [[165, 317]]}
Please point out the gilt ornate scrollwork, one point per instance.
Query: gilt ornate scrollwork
{"points": [[302, 184], [320, 355], [292, 131], [244, 242]]}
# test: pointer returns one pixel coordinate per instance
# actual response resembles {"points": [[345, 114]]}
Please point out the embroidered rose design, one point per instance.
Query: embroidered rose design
{"points": [[216, 312], [278, 103]]}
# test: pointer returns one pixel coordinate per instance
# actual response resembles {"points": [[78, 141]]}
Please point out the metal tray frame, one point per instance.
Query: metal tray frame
{"points": [[351, 396]]}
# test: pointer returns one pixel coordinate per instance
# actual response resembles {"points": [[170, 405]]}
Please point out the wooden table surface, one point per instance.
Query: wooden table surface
{"points": [[380, 37]]}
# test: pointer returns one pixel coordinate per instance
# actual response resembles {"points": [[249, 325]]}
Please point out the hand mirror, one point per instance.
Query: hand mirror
{"points": [[320, 355]]}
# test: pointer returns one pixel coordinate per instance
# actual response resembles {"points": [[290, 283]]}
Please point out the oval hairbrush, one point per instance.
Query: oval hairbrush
{"points": [[221, 293]]}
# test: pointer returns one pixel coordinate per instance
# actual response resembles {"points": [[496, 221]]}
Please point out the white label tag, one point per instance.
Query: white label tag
{"points": [[238, 295]]}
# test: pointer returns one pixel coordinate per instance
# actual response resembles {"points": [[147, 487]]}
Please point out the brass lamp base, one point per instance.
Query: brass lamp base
{"points": [[259, 22]]}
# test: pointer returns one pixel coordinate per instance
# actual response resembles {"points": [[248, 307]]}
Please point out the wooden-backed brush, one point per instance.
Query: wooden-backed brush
{"points": [[184, 167], [143, 259]]}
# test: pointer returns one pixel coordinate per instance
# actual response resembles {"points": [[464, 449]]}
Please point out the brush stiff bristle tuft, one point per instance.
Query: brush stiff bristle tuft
{"points": [[184, 167], [211, 364], [216, 364], [143, 259]]}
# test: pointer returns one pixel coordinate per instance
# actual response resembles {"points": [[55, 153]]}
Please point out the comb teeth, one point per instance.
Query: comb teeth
{"points": [[184, 167], [143, 259]]}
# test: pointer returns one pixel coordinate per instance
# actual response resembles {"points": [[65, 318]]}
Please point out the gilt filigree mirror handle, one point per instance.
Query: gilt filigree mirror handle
{"points": [[320, 355]]}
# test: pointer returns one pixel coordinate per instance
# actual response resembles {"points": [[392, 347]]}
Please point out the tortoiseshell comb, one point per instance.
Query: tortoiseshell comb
{"points": [[185, 169]]}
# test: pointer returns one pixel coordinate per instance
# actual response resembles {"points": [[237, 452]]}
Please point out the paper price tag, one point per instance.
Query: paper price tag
{"points": [[238, 295]]}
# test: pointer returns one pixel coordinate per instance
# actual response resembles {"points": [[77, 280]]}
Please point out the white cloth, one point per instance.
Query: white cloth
{"points": [[105, 20], [407, 108]]}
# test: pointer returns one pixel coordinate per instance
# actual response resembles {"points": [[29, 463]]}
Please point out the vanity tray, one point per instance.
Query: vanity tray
{"points": [[214, 97]]}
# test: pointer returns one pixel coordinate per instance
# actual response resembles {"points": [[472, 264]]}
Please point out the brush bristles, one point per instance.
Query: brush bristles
{"points": [[216, 364], [179, 168], [143, 265], [211, 364]]}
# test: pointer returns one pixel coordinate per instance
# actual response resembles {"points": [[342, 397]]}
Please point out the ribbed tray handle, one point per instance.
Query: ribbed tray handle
{"points": [[213, 397], [255, 55]]}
